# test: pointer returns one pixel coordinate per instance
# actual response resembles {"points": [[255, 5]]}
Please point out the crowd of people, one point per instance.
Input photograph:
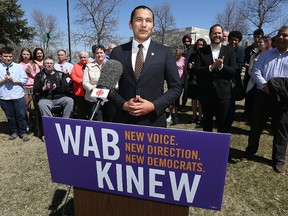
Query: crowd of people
{"points": [[210, 75]]}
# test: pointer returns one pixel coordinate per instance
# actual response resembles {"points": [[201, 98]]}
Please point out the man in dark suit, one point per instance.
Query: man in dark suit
{"points": [[141, 98], [215, 66]]}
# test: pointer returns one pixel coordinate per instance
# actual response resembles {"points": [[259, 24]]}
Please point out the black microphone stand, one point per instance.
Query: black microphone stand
{"points": [[97, 105], [96, 108]]}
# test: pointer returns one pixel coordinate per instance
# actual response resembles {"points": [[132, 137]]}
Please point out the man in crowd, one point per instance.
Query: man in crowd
{"points": [[215, 67], [51, 86], [65, 67], [12, 79], [225, 37], [270, 64], [141, 99], [109, 50], [187, 42]]}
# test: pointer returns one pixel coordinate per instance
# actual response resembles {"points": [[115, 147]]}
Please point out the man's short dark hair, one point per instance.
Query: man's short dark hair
{"points": [[48, 57], [236, 34], [6, 50], [140, 7], [258, 32], [215, 25], [61, 50]]}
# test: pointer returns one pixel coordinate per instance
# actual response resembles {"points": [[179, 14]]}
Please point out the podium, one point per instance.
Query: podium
{"points": [[136, 170], [93, 203]]}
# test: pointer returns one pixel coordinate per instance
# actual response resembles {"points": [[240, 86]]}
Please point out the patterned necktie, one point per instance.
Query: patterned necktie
{"points": [[139, 62], [7, 70]]}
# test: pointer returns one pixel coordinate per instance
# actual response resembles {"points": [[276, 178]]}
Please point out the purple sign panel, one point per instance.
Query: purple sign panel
{"points": [[173, 166]]}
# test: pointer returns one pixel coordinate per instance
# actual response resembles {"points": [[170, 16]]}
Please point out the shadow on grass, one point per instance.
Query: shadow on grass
{"points": [[184, 118], [240, 131], [236, 154], [67, 209], [4, 127]]}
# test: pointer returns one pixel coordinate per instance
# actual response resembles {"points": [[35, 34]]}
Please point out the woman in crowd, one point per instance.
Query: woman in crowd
{"points": [[38, 56], [91, 76], [180, 62], [78, 90], [193, 87], [31, 70], [234, 38], [264, 43]]}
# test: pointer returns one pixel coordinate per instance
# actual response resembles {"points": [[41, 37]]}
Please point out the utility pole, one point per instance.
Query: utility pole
{"points": [[68, 23]]}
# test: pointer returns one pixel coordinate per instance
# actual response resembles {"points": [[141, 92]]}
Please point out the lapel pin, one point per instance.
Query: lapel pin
{"points": [[152, 54]]}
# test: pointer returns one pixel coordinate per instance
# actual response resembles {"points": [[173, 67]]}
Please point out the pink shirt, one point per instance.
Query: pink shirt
{"points": [[181, 69], [31, 75]]}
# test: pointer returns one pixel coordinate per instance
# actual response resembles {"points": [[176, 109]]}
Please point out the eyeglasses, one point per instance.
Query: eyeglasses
{"points": [[7, 71]]}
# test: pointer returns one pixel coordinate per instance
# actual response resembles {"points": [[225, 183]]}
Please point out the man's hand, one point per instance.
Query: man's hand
{"points": [[138, 106], [218, 63], [66, 71], [246, 65], [54, 86], [9, 79], [190, 65]]}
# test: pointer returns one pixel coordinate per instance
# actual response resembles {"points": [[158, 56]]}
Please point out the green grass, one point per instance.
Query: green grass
{"points": [[251, 188]]}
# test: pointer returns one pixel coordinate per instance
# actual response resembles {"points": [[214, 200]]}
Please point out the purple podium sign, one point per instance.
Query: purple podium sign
{"points": [[179, 167]]}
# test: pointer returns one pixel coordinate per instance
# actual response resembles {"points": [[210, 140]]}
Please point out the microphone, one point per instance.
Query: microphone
{"points": [[109, 77], [110, 74]]}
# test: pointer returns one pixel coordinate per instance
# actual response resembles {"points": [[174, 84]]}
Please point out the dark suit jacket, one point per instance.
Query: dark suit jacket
{"points": [[159, 65], [218, 82]]}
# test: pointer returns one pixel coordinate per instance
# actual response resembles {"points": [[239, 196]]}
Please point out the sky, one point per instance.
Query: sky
{"points": [[187, 13]]}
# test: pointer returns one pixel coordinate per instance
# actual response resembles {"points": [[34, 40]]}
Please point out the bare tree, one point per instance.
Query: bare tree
{"points": [[263, 12], [232, 19], [164, 19], [97, 21], [46, 28]]}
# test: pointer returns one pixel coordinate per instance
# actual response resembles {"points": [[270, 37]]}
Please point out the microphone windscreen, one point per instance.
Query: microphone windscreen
{"points": [[110, 74]]}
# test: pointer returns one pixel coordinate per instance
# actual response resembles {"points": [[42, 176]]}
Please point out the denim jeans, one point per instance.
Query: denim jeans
{"points": [[15, 111]]}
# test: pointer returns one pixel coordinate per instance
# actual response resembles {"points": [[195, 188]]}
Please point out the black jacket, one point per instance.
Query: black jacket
{"points": [[42, 78], [278, 88], [217, 82], [160, 65]]}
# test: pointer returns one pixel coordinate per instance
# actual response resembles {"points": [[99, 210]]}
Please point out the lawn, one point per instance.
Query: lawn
{"points": [[251, 188]]}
